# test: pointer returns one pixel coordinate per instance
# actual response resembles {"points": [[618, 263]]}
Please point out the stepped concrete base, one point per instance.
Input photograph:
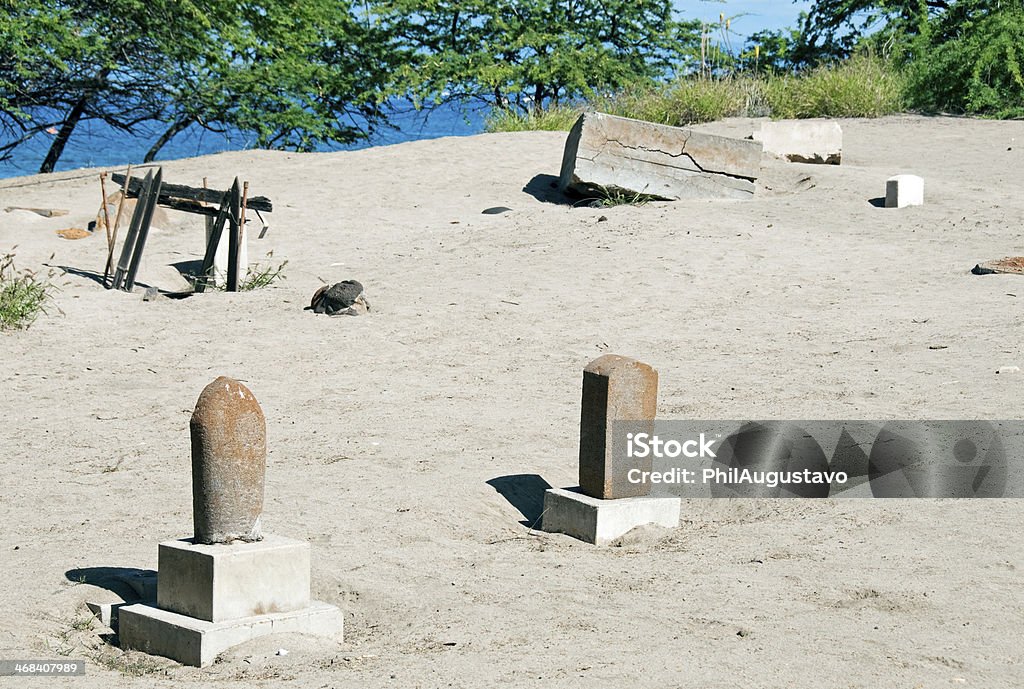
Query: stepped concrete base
{"points": [[198, 642], [602, 521]]}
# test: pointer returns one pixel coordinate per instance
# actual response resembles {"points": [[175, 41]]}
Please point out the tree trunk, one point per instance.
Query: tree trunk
{"points": [[172, 131], [538, 99], [57, 147]]}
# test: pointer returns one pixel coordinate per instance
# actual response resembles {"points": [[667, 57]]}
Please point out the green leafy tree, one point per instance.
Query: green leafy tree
{"points": [[529, 53], [834, 29], [295, 73], [960, 56], [769, 52], [62, 63], [970, 60]]}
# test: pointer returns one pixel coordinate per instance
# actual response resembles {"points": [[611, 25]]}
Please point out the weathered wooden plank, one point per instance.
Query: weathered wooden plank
{"points": [[147, 219], [233, 238], [133, 231], [189, 206], [179, 191]]}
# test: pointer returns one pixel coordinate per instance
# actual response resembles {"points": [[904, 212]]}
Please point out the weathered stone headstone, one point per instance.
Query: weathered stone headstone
{"points": [[229, 584], [904, 190], [606, 154], [615, 388], [804, 141], [229, 457]]}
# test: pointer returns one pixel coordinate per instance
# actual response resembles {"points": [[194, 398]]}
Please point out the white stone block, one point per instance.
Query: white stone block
{"points": [[198, 643], [904, 190], [602, 521], [804, 141], [220, 258], [223, 582]]}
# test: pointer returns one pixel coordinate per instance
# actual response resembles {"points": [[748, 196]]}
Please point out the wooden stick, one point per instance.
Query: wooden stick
{"points": [[106, 215], [209, 219], [117, 221], [245, 198]]}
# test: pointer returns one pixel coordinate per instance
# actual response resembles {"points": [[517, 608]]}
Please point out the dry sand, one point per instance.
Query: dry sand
{"points": [[383, 431]]}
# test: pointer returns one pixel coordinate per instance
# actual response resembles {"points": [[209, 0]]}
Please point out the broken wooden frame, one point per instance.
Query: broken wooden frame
{"points": [[138, 232], [190, 200]]}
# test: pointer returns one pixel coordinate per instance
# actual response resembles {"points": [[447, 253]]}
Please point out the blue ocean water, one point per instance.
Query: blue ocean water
{"points": [[95, 144]]}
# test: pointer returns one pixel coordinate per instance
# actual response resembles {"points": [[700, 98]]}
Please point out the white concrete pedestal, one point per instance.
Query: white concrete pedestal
{"points": [[212, 597], [602, 521]]}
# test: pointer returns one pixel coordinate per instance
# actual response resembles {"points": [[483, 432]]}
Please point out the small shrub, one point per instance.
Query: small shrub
{"points": [[23, 295], [258, 277], [862, 86]]}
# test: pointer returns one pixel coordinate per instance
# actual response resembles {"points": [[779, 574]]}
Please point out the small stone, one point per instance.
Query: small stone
{"points": [[344, 298], [151, 294], [229, 457]]}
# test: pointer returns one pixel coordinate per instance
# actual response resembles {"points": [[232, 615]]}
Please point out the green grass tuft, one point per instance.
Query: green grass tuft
{"points": [[863, 86], [608, 197], [259, 276], [689, 100], [558, 118]]}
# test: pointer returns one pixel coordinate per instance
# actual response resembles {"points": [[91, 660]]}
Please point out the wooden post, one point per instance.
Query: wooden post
{"points": [[133, 231], [233, 218], [147, 218]]}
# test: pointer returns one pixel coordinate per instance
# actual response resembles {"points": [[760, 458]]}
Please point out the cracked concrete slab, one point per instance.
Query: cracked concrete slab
{"points": [[606, 153]]}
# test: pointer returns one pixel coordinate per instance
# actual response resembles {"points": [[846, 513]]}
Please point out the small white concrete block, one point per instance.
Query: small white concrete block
{"points": [[220, 259], [602, 521], [197, 642], [904, 190], [804, 141], [224, 582]]}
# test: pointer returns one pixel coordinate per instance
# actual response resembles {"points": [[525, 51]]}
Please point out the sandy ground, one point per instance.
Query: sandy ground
{"points": [[383, 431]]}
